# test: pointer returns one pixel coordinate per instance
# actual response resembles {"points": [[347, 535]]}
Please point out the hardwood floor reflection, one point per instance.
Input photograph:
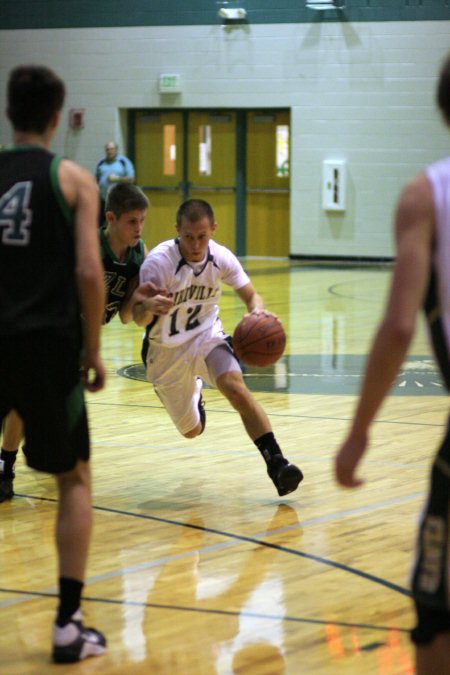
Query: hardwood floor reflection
{"points": [[196, 565]]}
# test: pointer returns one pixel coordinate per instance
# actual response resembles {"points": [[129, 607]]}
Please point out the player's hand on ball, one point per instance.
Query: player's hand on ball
{"points": [[261, 311], [259, 339]]}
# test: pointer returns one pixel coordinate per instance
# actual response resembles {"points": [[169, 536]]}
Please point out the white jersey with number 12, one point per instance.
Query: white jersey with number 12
{"points": [[194, 287]]}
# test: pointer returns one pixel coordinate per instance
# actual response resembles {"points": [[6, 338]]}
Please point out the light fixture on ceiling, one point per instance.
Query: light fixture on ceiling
{"points": [[325, 4], [232, 13]]}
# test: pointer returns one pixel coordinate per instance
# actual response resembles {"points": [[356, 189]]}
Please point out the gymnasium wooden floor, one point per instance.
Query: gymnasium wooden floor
{"points": [[196, 566]]}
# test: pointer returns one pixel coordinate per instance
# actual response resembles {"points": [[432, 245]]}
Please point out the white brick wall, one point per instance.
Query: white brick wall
{"points": [[363, 92]]}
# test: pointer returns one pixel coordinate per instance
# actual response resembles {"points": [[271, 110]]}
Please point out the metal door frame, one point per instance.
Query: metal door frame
{"points": [[241, 157]]}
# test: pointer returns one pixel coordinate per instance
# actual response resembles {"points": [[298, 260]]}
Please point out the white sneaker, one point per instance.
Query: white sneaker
{"points": [[73, 642]]}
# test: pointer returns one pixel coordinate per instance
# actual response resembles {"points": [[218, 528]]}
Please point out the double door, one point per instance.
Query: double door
{"points": [[236, 160]]}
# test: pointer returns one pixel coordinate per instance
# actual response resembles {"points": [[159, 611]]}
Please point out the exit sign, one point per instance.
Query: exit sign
{"points": [[170, 83]]}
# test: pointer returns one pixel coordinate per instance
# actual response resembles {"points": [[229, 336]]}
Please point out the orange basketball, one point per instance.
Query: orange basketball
{"points": [[259, 340]]}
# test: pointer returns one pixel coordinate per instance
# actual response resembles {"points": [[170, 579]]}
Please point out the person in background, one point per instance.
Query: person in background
{"points": [[112, 168], [48, 213], [421, 279]]}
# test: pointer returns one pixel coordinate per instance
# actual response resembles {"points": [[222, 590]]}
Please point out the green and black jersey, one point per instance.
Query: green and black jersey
{"points": [[37, 247], [118, 275]]}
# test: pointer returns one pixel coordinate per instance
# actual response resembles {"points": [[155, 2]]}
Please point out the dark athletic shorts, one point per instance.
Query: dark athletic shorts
{"points": [[431, 575], [40, 378]]}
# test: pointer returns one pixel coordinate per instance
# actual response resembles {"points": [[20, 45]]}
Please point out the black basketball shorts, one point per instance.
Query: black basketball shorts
{"points": [[40, 378], [431, 576]]}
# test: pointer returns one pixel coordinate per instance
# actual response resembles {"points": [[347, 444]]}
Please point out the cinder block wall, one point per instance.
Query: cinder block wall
{"points": [[360, 91]]}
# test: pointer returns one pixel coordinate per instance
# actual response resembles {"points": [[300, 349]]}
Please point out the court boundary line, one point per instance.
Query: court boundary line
{"points": [[251, 540], [205, 610], [211, 411]]}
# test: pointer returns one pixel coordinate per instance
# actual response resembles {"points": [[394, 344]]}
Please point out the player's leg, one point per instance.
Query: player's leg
{"points": [[433, 658], [226, 374], [184, 404], [73, 524], [11, 437], [71, 640], [172, 373], [431, 638], [53, 408]]}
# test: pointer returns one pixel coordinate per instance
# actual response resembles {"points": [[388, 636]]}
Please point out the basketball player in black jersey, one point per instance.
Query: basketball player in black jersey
{"points": [[122, 253], [50, 272], [421, 280]]}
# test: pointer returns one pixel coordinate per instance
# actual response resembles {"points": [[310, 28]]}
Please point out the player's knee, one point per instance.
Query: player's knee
{"points": [[196, 431], [79, 475]]}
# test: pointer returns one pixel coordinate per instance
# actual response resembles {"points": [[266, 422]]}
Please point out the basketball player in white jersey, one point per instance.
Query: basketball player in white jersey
{"points": [[421, 280], [184, 340]]}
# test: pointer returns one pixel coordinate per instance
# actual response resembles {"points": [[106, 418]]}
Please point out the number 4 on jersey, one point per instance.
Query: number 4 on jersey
{"points": [[15, 216]]}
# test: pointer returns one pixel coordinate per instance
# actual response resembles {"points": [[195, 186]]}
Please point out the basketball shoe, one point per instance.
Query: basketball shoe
{"points": [[285, 476], [201, 404], [6, 487], [202, 412], [73, 642]]}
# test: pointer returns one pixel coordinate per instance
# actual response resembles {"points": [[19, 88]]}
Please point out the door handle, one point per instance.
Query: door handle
{"points": [[160, 188], [212, 188]]}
